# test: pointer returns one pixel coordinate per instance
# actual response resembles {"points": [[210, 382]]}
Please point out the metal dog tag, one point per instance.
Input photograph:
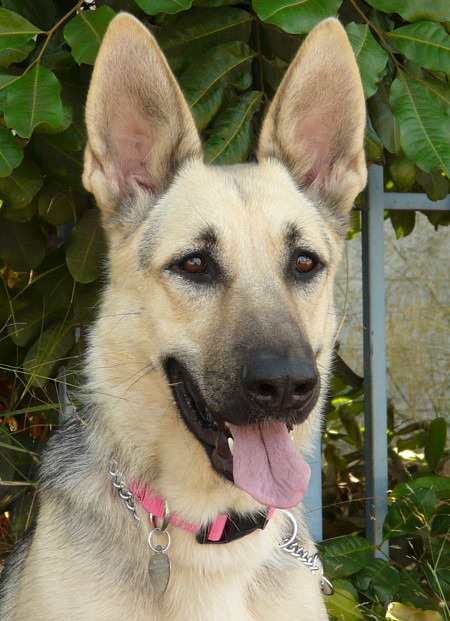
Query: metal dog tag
{"points": [[159, 571]]}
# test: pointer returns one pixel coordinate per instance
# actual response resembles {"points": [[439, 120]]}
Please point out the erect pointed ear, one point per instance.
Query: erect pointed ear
{"points": [[315, 124], [139, 126]]}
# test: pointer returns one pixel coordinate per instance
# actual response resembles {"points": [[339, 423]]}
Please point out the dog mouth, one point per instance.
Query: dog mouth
{"points": [[258, 458]]}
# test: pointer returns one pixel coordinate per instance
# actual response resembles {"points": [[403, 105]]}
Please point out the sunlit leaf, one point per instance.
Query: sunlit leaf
{"points": [[231, 135], [345, 556], [424, 126], [295, 17], [343, 606], [425, 43], [84, 33], [34, 99], [370, 56], [11, 153]]}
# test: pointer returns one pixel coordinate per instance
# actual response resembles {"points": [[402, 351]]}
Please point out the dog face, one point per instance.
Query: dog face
{"points": [[229, 270]]}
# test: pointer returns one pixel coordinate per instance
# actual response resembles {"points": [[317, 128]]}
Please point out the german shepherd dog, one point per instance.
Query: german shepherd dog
{"points": [[211, 352]]}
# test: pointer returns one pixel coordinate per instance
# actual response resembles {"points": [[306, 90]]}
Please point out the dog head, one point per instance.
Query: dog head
{"points": [[221, 278]]}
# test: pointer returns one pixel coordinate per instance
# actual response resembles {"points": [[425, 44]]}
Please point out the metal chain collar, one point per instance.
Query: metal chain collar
{"points": [[290, 545]]}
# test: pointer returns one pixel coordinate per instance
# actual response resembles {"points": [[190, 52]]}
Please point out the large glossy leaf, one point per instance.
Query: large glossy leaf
{"points": [[14, 29], [410, 508], [11, 153], [383, 121], [379, 580], [372, 145], [345, 556], [34, 99], [48, 352], [343, 606], [59, 203], [415, 10], [231, 135], [152, 7], [424, 125], [85, 248], [41, 13], [22, 246], [19, 188], [84, 33], [59, 156], [298, 16], [435, 184], [206, 109], [424, 43], [221, 65], [26, 324], [15, 54], [370, 56], [192, 34]]}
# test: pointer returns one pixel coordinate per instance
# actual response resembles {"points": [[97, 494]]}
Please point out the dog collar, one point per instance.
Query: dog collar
{"points": [[224, 529]]}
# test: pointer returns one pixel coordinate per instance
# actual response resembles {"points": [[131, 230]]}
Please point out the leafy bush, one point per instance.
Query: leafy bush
{"points": [[229, 60]]}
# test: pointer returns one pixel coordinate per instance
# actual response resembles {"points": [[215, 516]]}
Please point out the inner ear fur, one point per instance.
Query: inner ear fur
{"points": [[315, 124], [139, 126]]}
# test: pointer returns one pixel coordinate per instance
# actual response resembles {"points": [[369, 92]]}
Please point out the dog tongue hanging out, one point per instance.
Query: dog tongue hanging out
{"points": [[268, 466]]}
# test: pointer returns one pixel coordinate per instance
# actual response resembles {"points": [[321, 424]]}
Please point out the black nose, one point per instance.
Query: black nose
{"points": [[279, 382]]}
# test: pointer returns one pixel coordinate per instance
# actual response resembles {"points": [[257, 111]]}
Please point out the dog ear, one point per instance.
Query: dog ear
{"points": [[139, 126], [315, 124]]}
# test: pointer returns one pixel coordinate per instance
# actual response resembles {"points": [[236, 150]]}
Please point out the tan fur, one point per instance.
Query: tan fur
{"points": [[153, 209]]}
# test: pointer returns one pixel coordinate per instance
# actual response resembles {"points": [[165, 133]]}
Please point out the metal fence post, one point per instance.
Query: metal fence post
{"points": [[375, 390]]}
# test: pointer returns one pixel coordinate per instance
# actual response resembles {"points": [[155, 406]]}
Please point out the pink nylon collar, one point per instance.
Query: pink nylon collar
{"points": [[155, 504]]}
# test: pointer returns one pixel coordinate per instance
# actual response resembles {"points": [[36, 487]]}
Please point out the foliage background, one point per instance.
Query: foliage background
{"points": [[229, 58]]}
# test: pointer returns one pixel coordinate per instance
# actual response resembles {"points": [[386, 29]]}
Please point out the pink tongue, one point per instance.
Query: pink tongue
{"points": [[267, 465]]}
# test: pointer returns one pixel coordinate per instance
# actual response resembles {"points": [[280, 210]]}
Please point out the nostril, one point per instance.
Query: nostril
{"points": [[266, 390], [302, 389]]}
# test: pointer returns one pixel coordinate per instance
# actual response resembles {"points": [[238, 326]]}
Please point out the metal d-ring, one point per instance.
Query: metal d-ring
{"points": [[158, 549], [165, 519]]}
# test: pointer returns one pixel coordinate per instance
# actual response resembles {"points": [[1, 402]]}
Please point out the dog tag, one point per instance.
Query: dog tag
{"points": [[159, 571]]}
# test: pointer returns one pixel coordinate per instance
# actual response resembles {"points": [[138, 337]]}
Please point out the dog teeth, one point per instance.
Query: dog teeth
{"points": [[227, 425], [231, 445]]}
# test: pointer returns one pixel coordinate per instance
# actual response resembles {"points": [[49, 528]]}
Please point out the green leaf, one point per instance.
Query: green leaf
{"points": [[372, 145], [345, 556], [48, 352], [424, 43], [20, 215], [216, 68], [57, 159], [14, 29], [435, 444], [424, 126], [11, 153], [383, 121], [26, 324], [370, 56], [378, 580], [85, 248], [295, 17], [59, 203], [411, 507], [15, 54], [206, 109], [22, 246], [343, 606], [231, 135], [19, 188], [34, 99], [152, 7], [403, 222], [415, 10], [434, 184], [45, 128], [39, 12], [403, 173], [85, 32], [193, 33]]}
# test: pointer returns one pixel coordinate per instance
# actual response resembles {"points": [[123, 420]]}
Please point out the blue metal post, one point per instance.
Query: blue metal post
{"points": [[375, 390], [312, 500]]}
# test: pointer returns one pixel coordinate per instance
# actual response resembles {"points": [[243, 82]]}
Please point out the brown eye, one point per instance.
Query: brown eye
{"points": [[194, 265], [304, 263]]}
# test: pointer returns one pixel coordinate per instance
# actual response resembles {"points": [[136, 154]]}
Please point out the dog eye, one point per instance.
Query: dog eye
{"points": [[304, 263], [194, 265]]}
